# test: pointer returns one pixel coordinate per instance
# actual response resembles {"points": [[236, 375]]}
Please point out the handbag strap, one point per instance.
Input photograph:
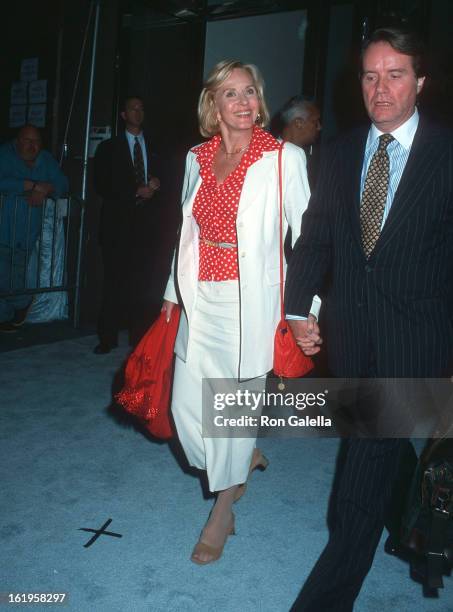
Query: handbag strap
{"points": [[280, 199]]}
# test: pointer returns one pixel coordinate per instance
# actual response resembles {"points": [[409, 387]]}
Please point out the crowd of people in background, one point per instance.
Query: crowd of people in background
{"points": [[126, 179]]}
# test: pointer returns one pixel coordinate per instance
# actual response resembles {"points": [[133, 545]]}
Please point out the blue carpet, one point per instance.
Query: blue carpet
{"points": [[66, 463]]}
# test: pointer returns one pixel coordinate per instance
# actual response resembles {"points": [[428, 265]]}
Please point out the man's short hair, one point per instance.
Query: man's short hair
{"points": [[127, 99], [27, 126], [402, 40], [297, 106]]}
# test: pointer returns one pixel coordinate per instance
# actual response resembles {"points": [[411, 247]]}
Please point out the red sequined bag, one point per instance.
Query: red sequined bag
{"points": [[289, 360], [148, 376]]}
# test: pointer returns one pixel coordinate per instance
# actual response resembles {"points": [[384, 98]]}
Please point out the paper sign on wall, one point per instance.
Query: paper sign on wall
{"points": [[37, 115], [29, 69], [17, 116], [37, 92], [18, 93]]}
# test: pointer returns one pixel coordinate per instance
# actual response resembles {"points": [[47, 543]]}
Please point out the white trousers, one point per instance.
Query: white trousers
{"points": [[213, 352]]}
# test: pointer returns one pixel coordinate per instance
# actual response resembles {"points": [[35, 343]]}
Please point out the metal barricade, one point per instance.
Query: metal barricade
{"points": [[41, 248]]}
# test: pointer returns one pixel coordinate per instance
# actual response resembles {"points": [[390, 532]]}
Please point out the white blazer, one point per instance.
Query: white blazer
{"points": [[257, 226]]}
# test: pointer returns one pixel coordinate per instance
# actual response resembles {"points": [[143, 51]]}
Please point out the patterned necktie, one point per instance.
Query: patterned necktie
{"points": [[139, 166], [374, 195]]}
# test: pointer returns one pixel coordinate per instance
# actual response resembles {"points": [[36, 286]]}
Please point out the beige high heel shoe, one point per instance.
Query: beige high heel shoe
{"points": [[260, 462], [214, 552]]}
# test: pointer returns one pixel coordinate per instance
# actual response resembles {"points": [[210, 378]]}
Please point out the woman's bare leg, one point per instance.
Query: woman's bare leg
{"points": [[219, 526]]}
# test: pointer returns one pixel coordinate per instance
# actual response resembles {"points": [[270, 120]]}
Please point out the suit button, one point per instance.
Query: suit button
{"points": [[368, 268], [360, 304]]}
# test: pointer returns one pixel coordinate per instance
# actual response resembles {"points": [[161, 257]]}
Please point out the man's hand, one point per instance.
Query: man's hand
{"points": [[146, 192], [35, 198], [306, 334], [45, 188], [154, 183]]}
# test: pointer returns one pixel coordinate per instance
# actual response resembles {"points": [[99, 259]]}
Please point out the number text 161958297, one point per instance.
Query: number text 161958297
{"points": [[32, 598]]}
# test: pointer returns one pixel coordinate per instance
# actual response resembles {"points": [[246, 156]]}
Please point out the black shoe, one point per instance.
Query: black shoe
{"points": [[20, 314], [102, 348], [393, 547], [6, 327]]}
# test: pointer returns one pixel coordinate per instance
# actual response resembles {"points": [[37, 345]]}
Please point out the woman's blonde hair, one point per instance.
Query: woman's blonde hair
{"points": [[207, 113]]}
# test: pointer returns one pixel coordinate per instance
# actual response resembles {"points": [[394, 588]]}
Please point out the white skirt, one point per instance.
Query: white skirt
{"points": [[213, 352]]}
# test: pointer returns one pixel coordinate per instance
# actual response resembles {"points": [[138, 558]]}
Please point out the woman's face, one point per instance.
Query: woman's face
{"points": [[236, 101]]}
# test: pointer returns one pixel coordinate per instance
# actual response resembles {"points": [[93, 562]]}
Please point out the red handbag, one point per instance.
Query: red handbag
{"points": [[289, 360], [148, 376]]}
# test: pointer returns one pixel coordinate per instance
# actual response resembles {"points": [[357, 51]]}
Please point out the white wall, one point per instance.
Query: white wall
{"points": [[275, 43]]}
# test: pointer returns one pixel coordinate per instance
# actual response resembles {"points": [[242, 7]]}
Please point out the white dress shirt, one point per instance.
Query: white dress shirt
{"points": [[398, 151], [131, 142]]}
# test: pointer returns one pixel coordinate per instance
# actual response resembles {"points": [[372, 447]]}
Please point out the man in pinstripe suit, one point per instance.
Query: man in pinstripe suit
{"points": [[388, 310]]}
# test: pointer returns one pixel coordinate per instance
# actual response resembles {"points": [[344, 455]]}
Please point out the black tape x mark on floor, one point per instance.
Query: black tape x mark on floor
{"points": [[99, 532]]}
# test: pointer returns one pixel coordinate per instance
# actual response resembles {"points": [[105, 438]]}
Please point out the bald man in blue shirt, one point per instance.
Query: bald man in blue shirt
{"points": [[28, 175]]}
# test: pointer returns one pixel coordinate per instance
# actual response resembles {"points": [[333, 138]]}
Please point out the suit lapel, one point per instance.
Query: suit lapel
{"points": [[256, 178], [150, 171], [126, 154], [420, 165], [352, 171], [191, 188]]}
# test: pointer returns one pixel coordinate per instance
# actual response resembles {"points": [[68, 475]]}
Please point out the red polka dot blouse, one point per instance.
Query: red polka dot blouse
{"points": [[216, 205]]}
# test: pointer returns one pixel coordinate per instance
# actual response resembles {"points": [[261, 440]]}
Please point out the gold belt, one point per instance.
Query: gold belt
{"points": [[222, 245]]}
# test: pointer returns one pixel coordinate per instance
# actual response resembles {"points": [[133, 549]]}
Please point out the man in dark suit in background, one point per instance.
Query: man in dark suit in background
{"points": [[125, 176], [381, 222]]}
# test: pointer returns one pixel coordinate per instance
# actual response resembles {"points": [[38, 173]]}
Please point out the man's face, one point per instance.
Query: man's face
{"points": [[389, 86], [310, 127], [134, 113], [304, 132], [28, 144]]}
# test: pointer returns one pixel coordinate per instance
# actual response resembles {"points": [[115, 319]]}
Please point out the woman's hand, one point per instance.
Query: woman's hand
{"points": [[307, 335], [168, 307]]}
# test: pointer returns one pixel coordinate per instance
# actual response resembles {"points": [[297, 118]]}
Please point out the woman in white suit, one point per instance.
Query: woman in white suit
{"points": [[227, 274]]}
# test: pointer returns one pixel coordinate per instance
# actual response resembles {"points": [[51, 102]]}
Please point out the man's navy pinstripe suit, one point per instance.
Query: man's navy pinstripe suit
{"points": [[387, 316]]}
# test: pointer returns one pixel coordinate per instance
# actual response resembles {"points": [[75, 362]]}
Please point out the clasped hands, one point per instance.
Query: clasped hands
{"points": [[307, 334], [37, 192], [145, 192]]}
